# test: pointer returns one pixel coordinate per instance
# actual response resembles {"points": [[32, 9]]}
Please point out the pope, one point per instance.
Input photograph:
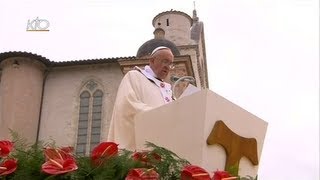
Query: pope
{"points": [[140, 90]]}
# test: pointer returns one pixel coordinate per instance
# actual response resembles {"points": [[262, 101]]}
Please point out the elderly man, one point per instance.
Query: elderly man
{"points": [[140, 90]]}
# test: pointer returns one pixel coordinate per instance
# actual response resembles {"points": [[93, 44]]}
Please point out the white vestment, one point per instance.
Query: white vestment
{"points": [[138, 91]]}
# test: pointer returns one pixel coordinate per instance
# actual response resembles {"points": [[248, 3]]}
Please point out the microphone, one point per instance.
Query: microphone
{"points": [[183, 78], [176, 80]]}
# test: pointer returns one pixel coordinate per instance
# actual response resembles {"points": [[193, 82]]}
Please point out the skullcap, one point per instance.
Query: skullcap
{"points": [[158, 48]]}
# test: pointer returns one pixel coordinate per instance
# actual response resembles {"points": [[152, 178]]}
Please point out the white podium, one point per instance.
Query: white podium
{"points": [[207, 130]]}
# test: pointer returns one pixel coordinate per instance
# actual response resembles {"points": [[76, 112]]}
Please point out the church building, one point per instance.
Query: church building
{"points": [[71, 102]]}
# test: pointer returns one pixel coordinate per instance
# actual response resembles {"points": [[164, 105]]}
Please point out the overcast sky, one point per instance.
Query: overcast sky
{"points": [[262, 55]]}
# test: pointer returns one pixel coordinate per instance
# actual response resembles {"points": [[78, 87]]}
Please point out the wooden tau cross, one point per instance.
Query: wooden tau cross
{"points": [[235, 146]]}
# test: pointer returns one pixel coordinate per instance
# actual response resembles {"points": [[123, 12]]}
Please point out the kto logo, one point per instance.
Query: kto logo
{"points": [[38, 25]]}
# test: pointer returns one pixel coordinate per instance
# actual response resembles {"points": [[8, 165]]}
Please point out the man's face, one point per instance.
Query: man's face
{"points": [[160, 63]]}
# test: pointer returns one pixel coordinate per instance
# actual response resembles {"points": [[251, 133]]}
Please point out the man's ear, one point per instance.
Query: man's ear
{"points": [[152, 59]]}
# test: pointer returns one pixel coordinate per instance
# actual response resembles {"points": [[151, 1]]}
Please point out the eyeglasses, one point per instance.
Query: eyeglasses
{"points": [[168, 63]]}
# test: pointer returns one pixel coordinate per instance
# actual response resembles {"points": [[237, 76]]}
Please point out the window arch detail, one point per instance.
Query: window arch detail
{"points": [[90, 117]]}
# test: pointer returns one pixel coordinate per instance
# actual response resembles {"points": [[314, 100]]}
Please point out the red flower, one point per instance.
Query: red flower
{"points": [[142, 174], [220, 175], [59, 166], [5, 148], [103, 151], [57, 153], [192, 172], [146, 157], [58, 161], [68, 149], [8, 167]]}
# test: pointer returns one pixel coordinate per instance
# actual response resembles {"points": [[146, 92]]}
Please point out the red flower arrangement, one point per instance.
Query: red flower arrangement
{"points": [[142, 174], [222, 175], [7, 165], [156, 164], [146, 157], [5, 148], [58, 161], [57, 153], [104, 151], [192, 172]]}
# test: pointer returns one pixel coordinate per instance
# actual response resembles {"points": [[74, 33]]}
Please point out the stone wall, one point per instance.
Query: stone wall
{"points": [[60, 111]]}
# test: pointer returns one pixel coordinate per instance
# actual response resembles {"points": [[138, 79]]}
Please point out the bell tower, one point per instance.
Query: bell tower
{"points": [[21, 92], [176, 25]]}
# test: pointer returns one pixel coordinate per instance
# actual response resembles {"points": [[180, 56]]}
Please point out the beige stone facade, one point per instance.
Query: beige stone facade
{"points": [[42, 100], [60, 109]]}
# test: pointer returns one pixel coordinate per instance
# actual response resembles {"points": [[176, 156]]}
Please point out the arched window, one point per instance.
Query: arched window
{"points": [[96, 119], [89, 124]]}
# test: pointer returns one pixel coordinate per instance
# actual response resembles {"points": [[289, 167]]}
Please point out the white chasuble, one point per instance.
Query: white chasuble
{"points": [[138, 91]]}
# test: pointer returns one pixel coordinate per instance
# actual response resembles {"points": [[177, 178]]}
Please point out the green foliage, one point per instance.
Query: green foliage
{"points": [[170, 165], [116, 167], [233, 170], [30, 159]]}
